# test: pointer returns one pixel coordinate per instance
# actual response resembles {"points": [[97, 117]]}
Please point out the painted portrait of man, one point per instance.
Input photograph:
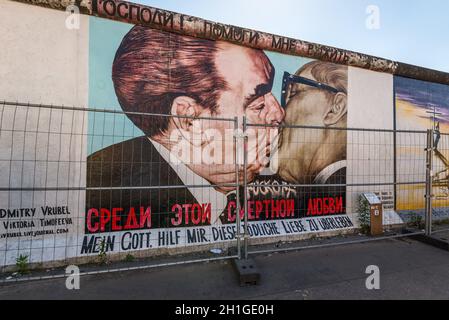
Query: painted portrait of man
{"points": [[316, 95], [312, 147], [187, 78]]}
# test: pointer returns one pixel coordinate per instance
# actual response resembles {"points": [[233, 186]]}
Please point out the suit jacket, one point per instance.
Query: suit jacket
{"points": [[135, 163]]}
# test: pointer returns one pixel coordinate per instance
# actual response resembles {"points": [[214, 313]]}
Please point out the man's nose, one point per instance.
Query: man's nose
{"points": [[276, 113]]}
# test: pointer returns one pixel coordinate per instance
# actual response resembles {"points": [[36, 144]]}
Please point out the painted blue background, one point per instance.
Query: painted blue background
{"points": [[105, 129]]}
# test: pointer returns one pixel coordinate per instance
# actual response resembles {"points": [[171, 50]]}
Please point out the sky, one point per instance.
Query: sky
{"points": [[409, 31]]}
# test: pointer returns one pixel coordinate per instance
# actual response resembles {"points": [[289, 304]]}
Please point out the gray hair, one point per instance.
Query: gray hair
{"points": [[332, 74]]}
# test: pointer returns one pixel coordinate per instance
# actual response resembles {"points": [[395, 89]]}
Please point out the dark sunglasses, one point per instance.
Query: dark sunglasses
{"points": [[291, 78]]}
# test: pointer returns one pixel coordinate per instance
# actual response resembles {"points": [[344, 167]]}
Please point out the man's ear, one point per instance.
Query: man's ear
{"points": [[183, 107], [337, 110], [184, 110]]}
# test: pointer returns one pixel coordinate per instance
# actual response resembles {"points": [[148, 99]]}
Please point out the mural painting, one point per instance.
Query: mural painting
{"points": [[421, 106], [196, 81]]}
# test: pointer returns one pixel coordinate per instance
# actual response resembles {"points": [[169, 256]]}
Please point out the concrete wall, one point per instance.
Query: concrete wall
{"points": [[44, 62], [370, 153]]}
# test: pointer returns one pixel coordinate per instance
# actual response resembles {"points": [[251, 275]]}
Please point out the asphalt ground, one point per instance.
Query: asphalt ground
{"points": [[408, 270]]}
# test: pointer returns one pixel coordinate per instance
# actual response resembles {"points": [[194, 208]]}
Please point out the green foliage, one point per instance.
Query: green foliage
{"points": [[364, 215], [22, 264], [417, 221], [102, 256], [441, 222], [129, 258]]}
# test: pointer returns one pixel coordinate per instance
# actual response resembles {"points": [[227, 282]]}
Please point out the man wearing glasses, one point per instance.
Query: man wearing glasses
{"points": [[315, 96]]}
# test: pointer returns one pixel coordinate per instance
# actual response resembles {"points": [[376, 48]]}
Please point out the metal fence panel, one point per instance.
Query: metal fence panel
{"points": [[327, 169], [84, 185]]}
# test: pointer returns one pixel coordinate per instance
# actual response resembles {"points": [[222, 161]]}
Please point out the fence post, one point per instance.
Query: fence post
{"points": [[429, 181], [237, 181], [245, 187]]}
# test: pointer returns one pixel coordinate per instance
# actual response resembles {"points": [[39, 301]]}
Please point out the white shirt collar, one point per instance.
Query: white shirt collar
{"points": [[325, 174], [203, 195]]}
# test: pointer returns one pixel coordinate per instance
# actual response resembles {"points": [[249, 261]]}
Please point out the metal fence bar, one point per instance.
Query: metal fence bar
{"points": [[97, 272], [342, 185], [328, 245], [245, 186], [221, 119], [237, 177], [439, 231], [214, 186], [429, 173], [118, 188], [283, 126], [96, 110]]}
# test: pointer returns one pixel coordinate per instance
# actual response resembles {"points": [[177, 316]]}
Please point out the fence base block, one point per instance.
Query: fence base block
{"points": [[430, 240], [247, 272]]}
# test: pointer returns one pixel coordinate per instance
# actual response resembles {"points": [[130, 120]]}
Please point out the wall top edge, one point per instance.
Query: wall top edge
{"points": [[129, 12]]}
